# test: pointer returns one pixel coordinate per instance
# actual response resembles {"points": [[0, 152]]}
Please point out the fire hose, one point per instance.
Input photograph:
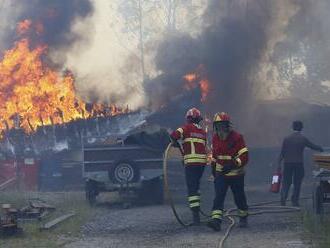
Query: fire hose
{"points": [[258, 208], [167, 188]]}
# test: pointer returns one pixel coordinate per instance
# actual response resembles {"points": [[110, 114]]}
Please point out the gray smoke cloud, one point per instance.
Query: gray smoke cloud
{"points": [[253, 51], [57, 18], [231, 43]]}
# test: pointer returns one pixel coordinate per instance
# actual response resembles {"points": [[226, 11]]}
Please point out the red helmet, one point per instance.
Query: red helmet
{"points": [[193, 115], [221, 117]]}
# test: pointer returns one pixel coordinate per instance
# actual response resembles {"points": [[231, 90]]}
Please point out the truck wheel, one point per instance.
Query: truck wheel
{"points": [[91, 192], [318, 200], [152, 191], [124, 172]]}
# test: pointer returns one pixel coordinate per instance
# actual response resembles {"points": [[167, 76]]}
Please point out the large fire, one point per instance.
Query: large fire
{"points": [[198, 79], [33, 94]]}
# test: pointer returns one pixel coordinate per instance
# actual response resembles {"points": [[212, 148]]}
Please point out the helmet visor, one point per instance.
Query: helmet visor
{"points": [[222, 126]]}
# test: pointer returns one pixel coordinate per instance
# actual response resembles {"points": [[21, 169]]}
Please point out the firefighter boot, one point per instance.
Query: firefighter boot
{"points": [[196, 218], [243, 223], [215, 224]]}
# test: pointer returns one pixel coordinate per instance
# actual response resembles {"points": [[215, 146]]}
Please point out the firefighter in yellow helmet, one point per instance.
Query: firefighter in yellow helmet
{"points": [[229, 157]]}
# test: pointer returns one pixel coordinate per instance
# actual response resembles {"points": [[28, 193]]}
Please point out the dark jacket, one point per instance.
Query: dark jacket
{"points": [[293, 148]]}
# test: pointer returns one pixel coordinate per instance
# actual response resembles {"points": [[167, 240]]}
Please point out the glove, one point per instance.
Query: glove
{"points": [[235, 162], [175, 143], [227, 168]]}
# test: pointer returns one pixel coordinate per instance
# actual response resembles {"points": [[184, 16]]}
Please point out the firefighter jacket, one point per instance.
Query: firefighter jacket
{"points": [[194, 143], [232, 151]]}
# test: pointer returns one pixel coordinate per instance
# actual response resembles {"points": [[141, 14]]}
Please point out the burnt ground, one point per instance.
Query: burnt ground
{"points": [[155, 225]]}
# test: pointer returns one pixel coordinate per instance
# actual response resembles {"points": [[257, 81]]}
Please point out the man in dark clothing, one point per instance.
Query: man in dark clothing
{"points": [[292, 153]]}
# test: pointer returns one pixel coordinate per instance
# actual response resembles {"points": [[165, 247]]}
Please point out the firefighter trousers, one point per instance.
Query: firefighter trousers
{"points": [[221, 185], [292, 172], [193, 175]]}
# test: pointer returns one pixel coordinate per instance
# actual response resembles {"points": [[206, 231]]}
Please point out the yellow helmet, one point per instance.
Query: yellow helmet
{"points": [[221, 116]]}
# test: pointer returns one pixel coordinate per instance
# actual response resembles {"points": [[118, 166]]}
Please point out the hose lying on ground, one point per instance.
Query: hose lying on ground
{"points": [[228, 213], [264, 209]]}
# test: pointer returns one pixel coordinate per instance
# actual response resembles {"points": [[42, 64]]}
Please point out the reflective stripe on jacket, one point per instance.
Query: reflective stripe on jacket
{"points": [[194, 143], [230, 150]]}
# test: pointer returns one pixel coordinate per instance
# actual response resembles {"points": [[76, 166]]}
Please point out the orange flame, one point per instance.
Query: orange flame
{"points": [[190, 77], [198, 79], [33, 94], [23, 26]]}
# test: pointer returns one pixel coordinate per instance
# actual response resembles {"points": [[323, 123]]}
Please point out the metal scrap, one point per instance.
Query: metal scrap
{"points": [[35, 210], [56, 221]]}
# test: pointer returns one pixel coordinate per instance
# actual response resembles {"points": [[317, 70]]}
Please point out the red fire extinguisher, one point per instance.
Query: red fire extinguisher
{"points": [[276, 182]]}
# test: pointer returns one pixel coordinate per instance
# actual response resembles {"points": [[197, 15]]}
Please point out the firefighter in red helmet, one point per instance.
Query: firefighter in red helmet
{"points": [[229, 157], [193, 137]]}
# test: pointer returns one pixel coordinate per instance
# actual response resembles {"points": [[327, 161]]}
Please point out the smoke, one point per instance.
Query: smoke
{"points": [[177, 55], [230, 46], [298, 51], [250, 49], [101, 66], [54, 17], [84, 37], [269, 84]]}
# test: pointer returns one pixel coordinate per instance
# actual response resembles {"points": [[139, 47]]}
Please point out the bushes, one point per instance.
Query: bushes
{"points": [[317, 229]]}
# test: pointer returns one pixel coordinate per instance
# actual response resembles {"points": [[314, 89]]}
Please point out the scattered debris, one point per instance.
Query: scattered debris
{"points": [[43, 215], [8, 221], [56, 221], [35, 210], [41, 205]]}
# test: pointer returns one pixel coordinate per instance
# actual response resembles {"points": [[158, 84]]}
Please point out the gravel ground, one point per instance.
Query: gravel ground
{"points": [[155, 226]]}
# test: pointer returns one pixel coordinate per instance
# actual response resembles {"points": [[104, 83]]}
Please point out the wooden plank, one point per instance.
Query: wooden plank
{"points": [[56, 221], [35, 204], [43, 215]]}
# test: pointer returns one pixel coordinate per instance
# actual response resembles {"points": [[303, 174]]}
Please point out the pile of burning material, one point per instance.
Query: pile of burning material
{"points": [[39, 106], [54, 138], [322, 160]]}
